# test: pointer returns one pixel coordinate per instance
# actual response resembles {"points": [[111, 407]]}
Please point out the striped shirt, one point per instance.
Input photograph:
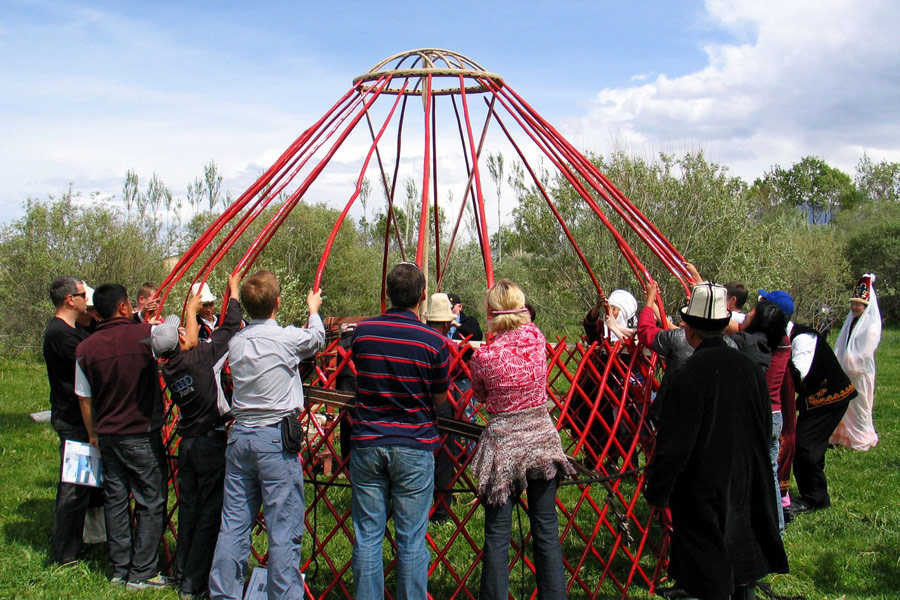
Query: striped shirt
{"points": [[400, 363]]}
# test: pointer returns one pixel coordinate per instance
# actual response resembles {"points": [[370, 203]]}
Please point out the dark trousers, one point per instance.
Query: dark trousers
{"points": [[814, 427], [72, 502], [201, 480], [548, 565], [134, 464]]}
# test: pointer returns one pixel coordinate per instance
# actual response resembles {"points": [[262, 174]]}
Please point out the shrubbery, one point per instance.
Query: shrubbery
{"points": [[730, 230]]}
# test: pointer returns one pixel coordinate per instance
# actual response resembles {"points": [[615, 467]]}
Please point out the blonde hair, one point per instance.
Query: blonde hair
{"points": [[506, 295]]}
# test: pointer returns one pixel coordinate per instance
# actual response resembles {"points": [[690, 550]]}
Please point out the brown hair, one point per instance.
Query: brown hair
{"points": [[506, 295], [405, 285], [146, 290], [259, 294]]}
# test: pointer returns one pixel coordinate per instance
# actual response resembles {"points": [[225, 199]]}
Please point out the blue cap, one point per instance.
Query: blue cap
{"points": [[781, 299]]}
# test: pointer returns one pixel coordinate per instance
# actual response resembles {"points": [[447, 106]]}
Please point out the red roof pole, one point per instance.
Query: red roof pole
{"points": [[483, 237]]}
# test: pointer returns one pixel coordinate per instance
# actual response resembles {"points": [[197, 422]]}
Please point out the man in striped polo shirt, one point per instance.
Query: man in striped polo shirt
{"points": [[402, 373]]}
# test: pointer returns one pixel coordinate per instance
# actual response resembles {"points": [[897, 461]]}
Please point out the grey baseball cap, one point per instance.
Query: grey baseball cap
{"points": [[164, 337]]}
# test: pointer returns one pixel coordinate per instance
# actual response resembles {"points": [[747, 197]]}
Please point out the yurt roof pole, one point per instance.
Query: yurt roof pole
{"points": [[468, 189], [326, 252], [484, 240]]}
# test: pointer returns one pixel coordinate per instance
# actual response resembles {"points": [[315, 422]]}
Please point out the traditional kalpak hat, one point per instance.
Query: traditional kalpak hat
{"points": [[206, 294], [707, 307], [863, 289]]}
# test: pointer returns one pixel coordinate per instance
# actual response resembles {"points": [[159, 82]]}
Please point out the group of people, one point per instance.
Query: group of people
{"points": [[717, 412], [744, 398]]}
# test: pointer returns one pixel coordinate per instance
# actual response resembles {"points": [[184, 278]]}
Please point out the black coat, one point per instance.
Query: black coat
{"points": [[468, 326], [712, 467]]}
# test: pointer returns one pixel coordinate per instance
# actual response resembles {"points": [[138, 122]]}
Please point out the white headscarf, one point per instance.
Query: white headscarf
{"points": [[856, 350], [627, 306]]}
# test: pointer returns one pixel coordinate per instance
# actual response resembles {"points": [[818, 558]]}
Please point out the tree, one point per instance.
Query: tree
{"points": [[878, 182], [495, 169], [59, 236], [212, 181], [872, 234], [810, 185], [699, 207]]}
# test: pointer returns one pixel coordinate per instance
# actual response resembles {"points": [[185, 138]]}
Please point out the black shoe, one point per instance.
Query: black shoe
{"points": [[788, 515], [440, 517], [672, 592], [800, 507]]}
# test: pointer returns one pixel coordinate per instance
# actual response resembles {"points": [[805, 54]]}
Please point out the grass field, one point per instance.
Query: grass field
{"points": [[850, 551]]}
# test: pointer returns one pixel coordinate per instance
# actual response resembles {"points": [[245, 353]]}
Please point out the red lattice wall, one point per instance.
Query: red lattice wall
{"points": [[612, 541]]}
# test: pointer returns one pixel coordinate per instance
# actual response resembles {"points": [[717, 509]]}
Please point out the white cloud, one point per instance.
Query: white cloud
{"points": [[810, 77]]}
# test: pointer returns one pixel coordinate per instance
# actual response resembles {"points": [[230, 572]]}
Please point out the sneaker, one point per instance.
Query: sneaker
{"points": [[117, 580], [156, 581]]}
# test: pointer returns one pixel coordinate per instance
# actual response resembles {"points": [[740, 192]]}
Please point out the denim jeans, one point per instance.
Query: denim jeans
{"points": [[258, 472], [404, 477], [134, 464], [72, 502], [548, 564], [201, 479], [777, 424]]}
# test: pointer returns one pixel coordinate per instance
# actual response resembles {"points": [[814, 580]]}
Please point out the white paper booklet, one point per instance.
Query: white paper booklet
{"points": [[81, 464]]}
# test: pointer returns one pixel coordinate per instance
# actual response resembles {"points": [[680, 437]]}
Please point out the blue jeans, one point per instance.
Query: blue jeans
{"points": [[774, 446], [548, 563], [259, 472], [404, 477]]}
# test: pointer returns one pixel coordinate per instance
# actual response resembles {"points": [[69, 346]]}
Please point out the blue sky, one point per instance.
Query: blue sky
{"points": [[91, 89]]}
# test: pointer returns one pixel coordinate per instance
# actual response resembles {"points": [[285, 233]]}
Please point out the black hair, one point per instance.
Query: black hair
{"points": [[62, 287], [769, 319], [738, 291], [107, 299], [405, 285]]}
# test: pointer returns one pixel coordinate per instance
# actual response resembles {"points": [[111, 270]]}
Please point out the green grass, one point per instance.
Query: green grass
{"points": [[850, 551]]}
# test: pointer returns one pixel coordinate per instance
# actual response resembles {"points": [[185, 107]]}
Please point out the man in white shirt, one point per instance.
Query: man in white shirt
{"points": [[259, 471]]}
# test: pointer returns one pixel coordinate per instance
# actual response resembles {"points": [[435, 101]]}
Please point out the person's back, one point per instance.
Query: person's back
{"points": [[192, 372], [121, 370], [397, 359], [402, 372], [118, 385], [711, 464], [192, 377], [260, 468]]}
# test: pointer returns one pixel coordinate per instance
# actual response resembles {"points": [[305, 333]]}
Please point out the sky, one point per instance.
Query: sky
{"points": [[89, 90]]}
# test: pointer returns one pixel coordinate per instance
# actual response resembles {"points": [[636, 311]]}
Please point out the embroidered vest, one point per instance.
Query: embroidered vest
{"points": [[826, 384]]}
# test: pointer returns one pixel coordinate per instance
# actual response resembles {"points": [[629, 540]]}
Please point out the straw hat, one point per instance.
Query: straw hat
{"points": [[439, 309]]}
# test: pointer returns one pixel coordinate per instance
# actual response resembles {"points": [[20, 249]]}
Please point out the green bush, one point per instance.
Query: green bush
{"points": [[59, 236]]}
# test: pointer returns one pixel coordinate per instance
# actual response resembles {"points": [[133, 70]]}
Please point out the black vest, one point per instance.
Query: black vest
{"points": [[826, 384]]}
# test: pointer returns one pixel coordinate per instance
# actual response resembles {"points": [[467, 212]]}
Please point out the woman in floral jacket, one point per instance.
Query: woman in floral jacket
{"points": [[520, 448]]}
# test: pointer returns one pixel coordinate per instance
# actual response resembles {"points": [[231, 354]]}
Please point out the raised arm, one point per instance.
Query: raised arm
{"points": [[191, 325]]}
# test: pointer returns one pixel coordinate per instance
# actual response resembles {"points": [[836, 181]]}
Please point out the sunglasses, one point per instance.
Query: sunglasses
{"points": [[79, 295]]}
